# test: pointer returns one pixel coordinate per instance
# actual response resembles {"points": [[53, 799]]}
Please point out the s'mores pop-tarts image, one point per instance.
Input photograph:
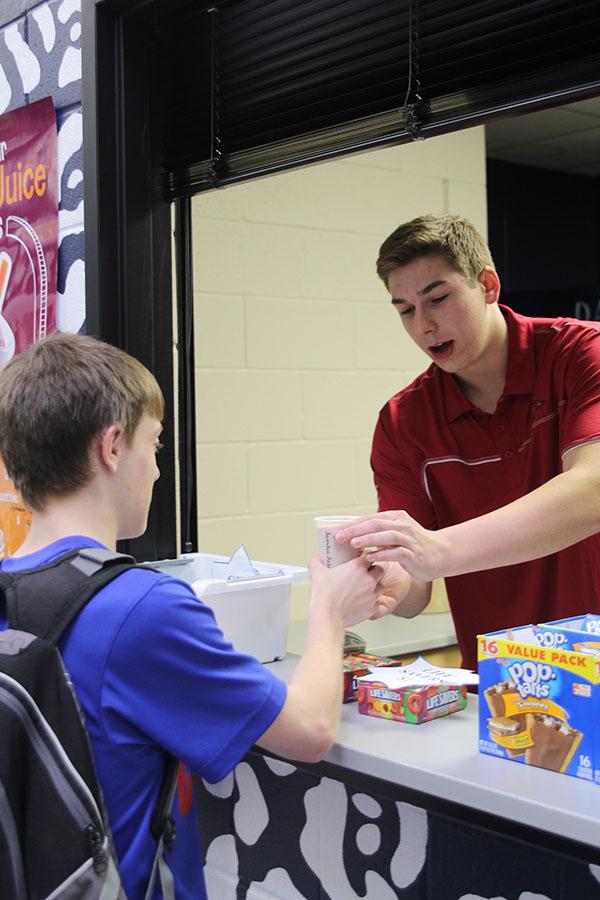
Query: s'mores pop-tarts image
{"points": [[503, 726], [540, 701], [495, 696], [509, 731], [553, 743]]}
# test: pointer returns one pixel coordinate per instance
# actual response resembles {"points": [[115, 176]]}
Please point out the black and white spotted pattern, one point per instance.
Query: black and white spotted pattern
{"points": [[40, 56], [273, 830]]}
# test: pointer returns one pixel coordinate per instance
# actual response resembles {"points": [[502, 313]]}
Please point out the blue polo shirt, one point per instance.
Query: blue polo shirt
{"points": [[153, 672]]}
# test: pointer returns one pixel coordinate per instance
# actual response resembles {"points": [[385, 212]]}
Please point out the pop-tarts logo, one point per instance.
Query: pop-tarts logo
{"points": [[531, 679], [551, 639]]}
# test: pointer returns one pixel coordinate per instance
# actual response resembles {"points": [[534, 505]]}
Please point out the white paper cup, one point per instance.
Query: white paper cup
{"points": [[331, 553]]}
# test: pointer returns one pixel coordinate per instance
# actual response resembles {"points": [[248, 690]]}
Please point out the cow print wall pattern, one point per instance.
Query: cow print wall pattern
{"points": [[40, 56], [274, 831]]}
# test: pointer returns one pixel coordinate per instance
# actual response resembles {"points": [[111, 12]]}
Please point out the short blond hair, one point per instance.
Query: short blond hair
{"points": [[55, 398], [453, 238]]}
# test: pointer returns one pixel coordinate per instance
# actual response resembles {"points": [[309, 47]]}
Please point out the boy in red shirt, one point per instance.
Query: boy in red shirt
{"points": [[487, 466]]}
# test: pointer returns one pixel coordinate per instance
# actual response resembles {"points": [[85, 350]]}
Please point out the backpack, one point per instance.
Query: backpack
{"points": [[55, 841]]}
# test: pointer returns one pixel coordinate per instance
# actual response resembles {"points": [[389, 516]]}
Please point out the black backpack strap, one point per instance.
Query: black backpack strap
{"points": [[162, 823], [45, 600], [162, 829]]}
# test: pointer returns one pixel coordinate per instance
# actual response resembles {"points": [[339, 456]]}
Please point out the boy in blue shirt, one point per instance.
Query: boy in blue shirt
{"points": [[80, 423]]}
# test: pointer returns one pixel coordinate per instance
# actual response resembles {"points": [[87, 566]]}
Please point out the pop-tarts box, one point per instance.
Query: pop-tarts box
{"points": [[575, 633], [539, 705]]}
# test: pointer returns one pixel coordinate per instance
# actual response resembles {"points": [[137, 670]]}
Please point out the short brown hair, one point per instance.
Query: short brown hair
{"points": [[55, 398], [453, 238]]}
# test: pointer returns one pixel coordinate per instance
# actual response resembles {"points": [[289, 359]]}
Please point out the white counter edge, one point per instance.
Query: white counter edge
{"points": [[441, 759]]}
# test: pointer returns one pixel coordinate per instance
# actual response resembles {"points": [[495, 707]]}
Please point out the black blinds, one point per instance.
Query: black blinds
{"points": [[493, 55], [253, 86]]}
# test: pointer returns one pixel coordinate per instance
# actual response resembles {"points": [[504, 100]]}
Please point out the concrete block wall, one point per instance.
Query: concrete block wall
{"points": [[297, 344]]}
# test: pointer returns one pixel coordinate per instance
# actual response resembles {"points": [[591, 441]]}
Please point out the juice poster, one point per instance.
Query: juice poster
{"points": [[28, 258], [14, 517]]}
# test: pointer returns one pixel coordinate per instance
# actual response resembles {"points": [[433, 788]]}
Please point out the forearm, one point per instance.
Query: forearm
{"points": [[415, 600], [317, 680], [307, 724], [556, 515]]}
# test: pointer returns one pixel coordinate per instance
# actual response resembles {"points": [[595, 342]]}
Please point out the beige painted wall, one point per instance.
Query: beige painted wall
{"points": [[297, 345]]}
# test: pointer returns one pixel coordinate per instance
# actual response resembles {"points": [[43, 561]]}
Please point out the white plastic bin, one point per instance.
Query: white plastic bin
{"points": [[253, 614]]}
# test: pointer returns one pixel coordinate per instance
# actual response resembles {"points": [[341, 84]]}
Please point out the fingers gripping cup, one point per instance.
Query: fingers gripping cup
{"points": [[331, 553]]}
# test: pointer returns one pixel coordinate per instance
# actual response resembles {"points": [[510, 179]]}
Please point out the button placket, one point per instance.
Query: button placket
{"points": [[502, 437]]}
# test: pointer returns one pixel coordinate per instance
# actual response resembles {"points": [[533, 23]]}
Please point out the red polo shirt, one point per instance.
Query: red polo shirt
{"points": [[444, 461]]}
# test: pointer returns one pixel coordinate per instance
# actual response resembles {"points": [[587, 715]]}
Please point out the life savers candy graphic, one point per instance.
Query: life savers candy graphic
{"points": [[414, 703], [362, 693], [358, 664]]}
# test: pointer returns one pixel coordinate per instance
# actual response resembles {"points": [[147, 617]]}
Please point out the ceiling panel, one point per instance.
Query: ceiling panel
{"points": [[565, 138]]}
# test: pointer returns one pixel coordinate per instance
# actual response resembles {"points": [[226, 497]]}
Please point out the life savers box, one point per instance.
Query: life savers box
{"points": [[252, 611], [410, 704], [357, 664], [539, 705], [574, 633]]}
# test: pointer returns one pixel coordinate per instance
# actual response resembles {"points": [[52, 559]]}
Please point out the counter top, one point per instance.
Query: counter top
{"points": [[391, 635], [440, 758]]}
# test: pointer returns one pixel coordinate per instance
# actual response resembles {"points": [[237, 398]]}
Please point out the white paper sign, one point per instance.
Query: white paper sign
{"points": [[419, 673], [238, 566]]}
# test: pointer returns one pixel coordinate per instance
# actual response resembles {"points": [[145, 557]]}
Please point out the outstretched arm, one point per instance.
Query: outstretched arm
{"points": [[556, 515], [306, 726]]}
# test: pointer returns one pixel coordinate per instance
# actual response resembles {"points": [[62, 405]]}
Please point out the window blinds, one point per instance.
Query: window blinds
{"points": [[256, 86]]}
